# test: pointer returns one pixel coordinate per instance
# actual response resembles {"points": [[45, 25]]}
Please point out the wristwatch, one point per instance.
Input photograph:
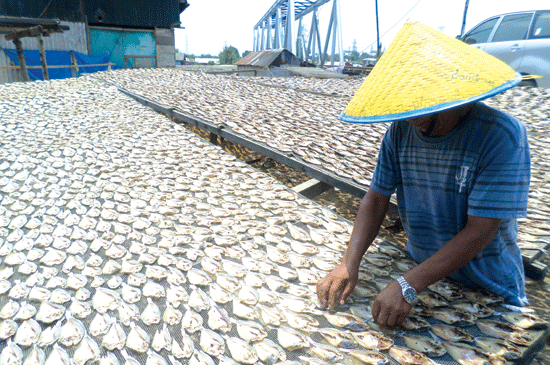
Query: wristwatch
{"points": [[409, 293]]}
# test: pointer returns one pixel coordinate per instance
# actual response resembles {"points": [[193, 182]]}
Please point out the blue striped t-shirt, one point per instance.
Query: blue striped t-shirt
{"points": [[481, 168]]}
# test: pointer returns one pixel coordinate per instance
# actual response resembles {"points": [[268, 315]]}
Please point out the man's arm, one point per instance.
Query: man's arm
{"points": [[339, 283], [389, 306]]}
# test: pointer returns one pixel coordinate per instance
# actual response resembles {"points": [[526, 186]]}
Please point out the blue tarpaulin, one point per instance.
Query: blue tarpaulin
{"points": [[84, 59], [32, 58]]}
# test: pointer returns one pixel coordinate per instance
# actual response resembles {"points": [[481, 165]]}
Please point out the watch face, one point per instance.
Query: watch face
{"points": [[409, 295]]}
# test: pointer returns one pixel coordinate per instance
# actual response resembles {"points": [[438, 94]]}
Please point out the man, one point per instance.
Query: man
{"points": [[460, 168]]}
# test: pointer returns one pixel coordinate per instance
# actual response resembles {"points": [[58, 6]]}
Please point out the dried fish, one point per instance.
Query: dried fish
{"points": [[211, 343], [200, 358], [151, 314], [49, 312], [162, 339], [137, 339], [105, 299], [115, 338], [241, 351], [291, 339], [477, 309], [524, 320], [191, 321], [504, 331], [250, 331], [453, 316], [425, 345], [469, 355], [452, 333], [88, 350], [346, 321], [244, 311], [499, 347], [36, 357], [8, 328], [218, 294], [409, 357], [58, 356], [372, 340], [269, 352], [28, 332], [370, 357]]}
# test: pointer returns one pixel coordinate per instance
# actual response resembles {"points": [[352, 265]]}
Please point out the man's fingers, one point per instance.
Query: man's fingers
{"points": [[335, 293], [392, 318], [375, 309], [345, 294], [322, 293], [383, 317], [401, 318]]}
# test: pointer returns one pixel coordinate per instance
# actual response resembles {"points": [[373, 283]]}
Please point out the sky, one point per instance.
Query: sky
{"points": [[210, 25]]}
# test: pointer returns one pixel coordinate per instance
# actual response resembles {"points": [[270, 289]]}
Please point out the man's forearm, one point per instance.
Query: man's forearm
{"points": [[456, 253], [370, 216]]}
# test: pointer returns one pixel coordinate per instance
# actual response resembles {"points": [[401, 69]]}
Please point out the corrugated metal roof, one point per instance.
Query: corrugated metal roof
{"points": [[260, 58]]}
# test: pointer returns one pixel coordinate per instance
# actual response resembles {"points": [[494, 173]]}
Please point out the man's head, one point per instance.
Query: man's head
{"points": [[439, 124]]}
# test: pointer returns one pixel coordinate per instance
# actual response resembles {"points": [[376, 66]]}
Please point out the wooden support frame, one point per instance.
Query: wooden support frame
{"points": [[21, 57], [40, 32], [42, 51]]}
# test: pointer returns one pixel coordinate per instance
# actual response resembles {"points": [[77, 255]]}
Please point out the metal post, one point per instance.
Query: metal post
{"points": [[377, 32], [464, 18], [262, 43], [334, 31], [289, 33], [21, 57], [299, 43], [330, 25], [321, 60], [42, 51], [254, 40], [311, 43], [278, 29], [269, 41], [339, 33]]}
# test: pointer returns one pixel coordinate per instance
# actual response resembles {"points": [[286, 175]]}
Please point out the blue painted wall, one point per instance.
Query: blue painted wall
{"points": [[119, 43]]}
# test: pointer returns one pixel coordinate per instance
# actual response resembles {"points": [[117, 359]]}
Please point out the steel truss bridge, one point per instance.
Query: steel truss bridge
{"points": [[276, 29]]}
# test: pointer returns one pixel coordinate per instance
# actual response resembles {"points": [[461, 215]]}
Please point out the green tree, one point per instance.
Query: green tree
{"points": [[229, 56], [246, 53]]}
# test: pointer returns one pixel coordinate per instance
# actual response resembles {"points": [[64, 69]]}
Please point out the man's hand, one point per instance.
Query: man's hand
{"points": [[389, 307], [336, 286]]}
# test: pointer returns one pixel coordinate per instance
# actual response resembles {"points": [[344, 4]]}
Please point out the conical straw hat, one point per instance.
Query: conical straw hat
{"points": [[424, 71]]}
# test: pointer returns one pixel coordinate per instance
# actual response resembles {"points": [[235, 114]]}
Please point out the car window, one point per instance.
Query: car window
{"points": [[541, 25], [481, 33], [513, 27]]}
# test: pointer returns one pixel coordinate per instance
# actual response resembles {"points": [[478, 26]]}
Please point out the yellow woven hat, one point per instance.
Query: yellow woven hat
{"points": [[425, 71]]}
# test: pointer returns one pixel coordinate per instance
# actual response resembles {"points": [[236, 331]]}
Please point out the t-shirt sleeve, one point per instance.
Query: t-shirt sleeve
{"points": [[501, 187], [384, 179]]}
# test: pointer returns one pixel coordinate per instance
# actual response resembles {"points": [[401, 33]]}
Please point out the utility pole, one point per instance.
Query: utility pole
{"points": [[377, 32], [464, 18]]}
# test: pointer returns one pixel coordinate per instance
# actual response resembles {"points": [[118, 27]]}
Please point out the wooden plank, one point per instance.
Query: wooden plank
{"points": [[30, 32], [312, 188], [42, 51]]}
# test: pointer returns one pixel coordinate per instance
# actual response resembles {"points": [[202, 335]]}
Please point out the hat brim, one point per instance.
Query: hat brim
{"points": [[432, 109]]}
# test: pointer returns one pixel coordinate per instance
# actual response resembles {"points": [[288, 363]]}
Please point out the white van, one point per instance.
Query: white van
{"points": [[521, 39]]}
